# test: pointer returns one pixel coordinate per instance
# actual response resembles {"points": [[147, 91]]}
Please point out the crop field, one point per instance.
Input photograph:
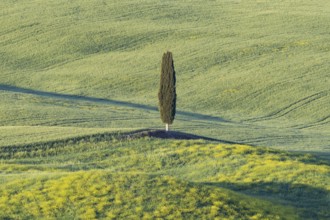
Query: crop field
{"points": [[249, 72], [77, 76]]}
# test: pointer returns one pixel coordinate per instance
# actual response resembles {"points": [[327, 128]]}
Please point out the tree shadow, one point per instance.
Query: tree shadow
{"points": [[312, 202], [176, 135], [36, 149], [46, 94]]}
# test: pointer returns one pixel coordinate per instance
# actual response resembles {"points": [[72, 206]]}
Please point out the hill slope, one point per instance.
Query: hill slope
{"points": [[74, 74], [110, 176], [262, 66]]}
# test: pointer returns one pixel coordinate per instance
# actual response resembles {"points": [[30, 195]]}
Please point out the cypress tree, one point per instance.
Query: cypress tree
{"points": [[167, 93]]}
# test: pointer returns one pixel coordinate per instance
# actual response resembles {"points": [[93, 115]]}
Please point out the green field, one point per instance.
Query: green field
{"points": [[111, 177], [74, 74]]}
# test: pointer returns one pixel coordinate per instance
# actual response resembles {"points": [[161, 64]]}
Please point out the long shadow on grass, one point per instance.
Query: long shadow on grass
{"points": [[175, 135], [104, 101], [313, 202], [41, 148]]}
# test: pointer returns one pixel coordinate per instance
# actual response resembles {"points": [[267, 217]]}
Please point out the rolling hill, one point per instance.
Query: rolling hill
{"points": [[136, 175], [261, 66], [77, 75]]}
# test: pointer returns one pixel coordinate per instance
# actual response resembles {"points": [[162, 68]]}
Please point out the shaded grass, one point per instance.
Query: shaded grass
{"points": [[299, 181], [65, 111]]}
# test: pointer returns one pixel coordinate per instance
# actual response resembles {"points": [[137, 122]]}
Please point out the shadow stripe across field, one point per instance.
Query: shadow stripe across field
{"points": [[104, 101]]}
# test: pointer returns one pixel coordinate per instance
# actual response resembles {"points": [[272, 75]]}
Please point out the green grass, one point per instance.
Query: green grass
{"points": [[23, 135], [161, 178], [113, 196], [263, 66], [75, 73]]}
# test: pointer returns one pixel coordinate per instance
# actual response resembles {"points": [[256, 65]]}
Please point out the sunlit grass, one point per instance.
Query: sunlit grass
{"points": [[100, 194], [18, 135], [73, 74], [300, 181], [263, 65]]}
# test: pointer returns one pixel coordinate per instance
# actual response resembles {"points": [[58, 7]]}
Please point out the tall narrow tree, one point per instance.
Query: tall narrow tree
{"points": [[167, 92]]}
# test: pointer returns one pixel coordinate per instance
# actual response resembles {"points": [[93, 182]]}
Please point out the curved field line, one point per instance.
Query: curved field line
{"points": [[320, 122], [293, 106], [257, 93]]}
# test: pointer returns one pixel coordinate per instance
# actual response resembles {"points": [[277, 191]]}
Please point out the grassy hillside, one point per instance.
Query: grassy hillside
{"points": [[262, 66], [74, 75], [110, 177]]}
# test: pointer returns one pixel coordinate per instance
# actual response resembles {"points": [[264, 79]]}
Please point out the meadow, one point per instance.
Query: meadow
{"points": [[260, 66], [109, 176], [77, 75]]}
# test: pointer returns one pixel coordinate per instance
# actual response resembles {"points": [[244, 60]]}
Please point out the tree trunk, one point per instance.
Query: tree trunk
{"points": [[166, 127]]}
